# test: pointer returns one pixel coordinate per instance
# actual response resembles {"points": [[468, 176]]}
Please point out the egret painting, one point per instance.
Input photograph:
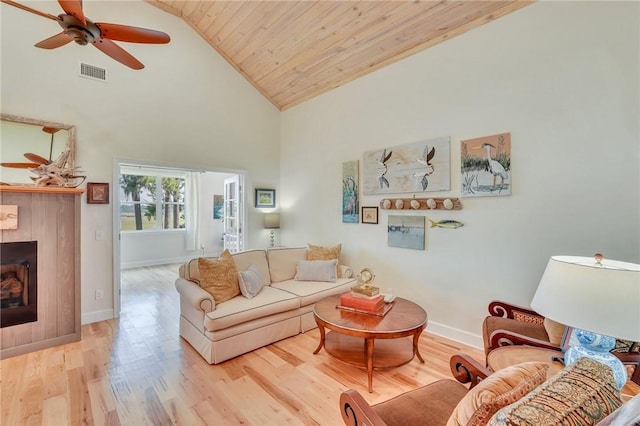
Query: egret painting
{"points": [[350, 191], [415, 167], [406, 232], [486, 166]]}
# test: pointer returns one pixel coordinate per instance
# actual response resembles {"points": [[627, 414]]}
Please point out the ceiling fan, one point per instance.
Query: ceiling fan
{"points": [[36, 160], [76, 27]]}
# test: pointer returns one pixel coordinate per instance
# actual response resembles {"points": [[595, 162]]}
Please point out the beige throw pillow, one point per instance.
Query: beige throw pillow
{"points": [[500, 389], [219, 277], [324, 253]]}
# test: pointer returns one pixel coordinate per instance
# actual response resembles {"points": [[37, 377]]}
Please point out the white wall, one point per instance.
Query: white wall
{"points": [[188, 108], [562, 77]]}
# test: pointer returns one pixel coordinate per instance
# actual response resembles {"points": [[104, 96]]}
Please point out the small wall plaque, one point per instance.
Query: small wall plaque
{"points": [[8, 217], [97, 193]]}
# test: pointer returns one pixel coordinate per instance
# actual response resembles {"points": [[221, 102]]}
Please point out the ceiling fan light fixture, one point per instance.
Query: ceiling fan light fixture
{"points": [[76, 27]]}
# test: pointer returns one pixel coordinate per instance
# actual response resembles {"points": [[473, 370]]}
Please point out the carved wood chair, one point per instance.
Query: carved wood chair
{"points": [[437, 399], [513, 325]]}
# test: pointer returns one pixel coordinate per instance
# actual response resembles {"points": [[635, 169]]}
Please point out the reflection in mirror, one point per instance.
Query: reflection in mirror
{"points": [[27, 142]]}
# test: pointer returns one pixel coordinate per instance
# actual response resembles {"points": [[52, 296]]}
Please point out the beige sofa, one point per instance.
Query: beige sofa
{"points": [[283, 308]]}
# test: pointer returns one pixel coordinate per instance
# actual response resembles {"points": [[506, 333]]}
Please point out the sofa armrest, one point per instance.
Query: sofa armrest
{"points": [[505, 310], [467, 370], [345, 271], [195, 296], [356, 411], [627, 414], [506, 338]]}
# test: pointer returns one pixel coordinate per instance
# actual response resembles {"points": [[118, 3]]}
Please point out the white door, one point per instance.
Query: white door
{"points": [[233, 214]]}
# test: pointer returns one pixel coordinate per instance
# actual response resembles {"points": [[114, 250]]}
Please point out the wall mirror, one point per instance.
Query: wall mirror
{"points": [[21, 135]]}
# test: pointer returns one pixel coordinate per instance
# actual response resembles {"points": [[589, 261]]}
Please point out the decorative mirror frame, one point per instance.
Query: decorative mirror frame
{"points": [[71, 139]]}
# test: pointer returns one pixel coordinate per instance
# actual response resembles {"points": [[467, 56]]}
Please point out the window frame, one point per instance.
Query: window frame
{"points": [[158, 174]]}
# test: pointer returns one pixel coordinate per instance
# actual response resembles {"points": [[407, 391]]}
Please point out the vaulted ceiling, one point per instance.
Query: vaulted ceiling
{"points": [[291, 51]]}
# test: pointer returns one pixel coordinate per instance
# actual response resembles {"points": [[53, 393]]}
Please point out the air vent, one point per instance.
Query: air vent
{"points": [[93, 72]]}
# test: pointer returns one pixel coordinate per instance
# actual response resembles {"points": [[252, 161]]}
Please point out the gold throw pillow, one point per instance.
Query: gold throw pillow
{"points": [[500, 389], [219, 277], [325, 253]]}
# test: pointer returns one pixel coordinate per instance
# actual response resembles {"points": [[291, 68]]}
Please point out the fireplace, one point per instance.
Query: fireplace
{"points": [[19, 283]]}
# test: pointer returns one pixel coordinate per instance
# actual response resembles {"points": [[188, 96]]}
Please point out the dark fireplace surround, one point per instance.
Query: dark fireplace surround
{"points": [[19, 272]]}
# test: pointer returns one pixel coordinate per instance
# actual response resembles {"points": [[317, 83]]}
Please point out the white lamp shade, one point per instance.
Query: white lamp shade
{"points": [[272, 221], [579, 293]]}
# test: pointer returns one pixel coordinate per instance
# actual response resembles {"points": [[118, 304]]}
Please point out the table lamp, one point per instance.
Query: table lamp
{"points": [[600, 298], [272, 221]]}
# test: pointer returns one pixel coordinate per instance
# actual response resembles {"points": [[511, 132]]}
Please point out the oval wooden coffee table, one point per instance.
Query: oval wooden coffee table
{"points": [[353, 334]]}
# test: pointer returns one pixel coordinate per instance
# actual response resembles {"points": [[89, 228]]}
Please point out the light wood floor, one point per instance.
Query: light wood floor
{"points": [[136, 370]]}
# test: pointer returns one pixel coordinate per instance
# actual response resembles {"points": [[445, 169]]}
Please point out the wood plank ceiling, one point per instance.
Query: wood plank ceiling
{"points": [[292, 51]]}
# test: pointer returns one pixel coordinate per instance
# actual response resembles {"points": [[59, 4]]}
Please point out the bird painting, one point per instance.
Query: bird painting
{"points": [[427, 156], [382, 161], [495, 168]]}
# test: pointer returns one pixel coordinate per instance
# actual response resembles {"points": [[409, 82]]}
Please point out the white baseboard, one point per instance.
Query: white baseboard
{"points": [[91, 317], [473, 340]]}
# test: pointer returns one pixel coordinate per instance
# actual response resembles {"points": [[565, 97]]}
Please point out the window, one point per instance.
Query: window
{"points": [[151, 199]]}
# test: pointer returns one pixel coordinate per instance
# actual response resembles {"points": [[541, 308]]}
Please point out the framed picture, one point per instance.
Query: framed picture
{"points": [[265, 198], [415, 168], [97, 193], [486, 166], [350, 192], [218, 203], [370, 215], [406, 232]]}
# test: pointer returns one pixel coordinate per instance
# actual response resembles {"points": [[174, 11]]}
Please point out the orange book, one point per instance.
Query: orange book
{"points": [[372, 305]]}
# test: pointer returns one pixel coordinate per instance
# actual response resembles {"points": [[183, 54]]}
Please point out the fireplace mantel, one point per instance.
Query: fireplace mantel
{"points": [[40, 189], [50, 216]]}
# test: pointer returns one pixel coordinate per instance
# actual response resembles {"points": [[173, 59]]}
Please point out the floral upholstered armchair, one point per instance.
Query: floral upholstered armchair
{"points": [[513, 325], [518, 394]]}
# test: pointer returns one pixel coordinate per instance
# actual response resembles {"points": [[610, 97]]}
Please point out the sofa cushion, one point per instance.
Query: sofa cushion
{"points": [[250, 282], [283, 262], [438, 399], [317, 270], [240, 310], [324, 253], [219, 277], [500, 389], [245, 259], [311, 292], [582, 394]]}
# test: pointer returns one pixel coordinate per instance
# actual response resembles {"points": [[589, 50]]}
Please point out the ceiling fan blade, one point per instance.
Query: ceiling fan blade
{"points": [[50, 130], [55, 41], [132, 34], [20, 165], [74, 8], [109, 48], [36, 158], [28, 9]]}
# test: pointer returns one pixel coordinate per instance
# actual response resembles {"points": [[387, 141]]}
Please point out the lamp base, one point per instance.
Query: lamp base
{"points": [[597, 347], [272, 237]]}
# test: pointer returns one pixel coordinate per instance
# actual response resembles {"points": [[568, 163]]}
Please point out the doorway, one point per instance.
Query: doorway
{"points": [[165, 214]]}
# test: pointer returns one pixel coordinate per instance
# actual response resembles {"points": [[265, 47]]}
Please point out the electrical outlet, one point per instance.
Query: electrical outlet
{"points": [[99, 235], [99, 294]]}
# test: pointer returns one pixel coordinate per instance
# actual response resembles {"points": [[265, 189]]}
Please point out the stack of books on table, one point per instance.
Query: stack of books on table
{"points": [[359, 301]]}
